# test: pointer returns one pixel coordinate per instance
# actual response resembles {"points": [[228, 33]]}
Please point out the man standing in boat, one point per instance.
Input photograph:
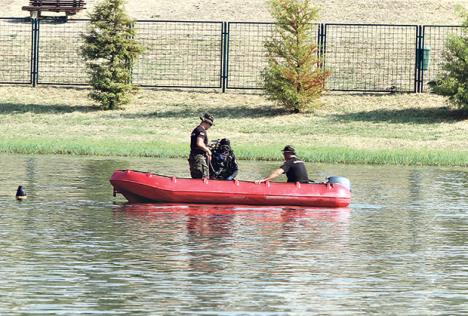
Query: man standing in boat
{"points": [[293, 167], [200, 153]]}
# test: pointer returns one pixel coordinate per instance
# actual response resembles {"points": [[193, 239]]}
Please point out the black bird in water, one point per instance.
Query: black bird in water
{"points": [[20, 193]]}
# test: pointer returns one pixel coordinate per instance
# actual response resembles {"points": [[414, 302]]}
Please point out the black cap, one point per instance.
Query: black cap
{"points": [[289, 149], [207, 118], [225, 141]]}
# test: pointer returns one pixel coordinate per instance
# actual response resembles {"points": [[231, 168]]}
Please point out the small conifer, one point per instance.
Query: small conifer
{"points": [[293, 76], [110, 51]]}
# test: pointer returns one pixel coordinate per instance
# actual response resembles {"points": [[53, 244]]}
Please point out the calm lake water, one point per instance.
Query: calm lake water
{"points": [[72, 248]]}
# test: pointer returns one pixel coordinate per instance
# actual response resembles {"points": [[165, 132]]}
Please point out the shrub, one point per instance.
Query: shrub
{"points": [[110, 50], [454, 80], [294, 77]]}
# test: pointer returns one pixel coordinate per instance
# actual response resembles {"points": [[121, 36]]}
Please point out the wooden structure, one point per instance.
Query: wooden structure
{"points": [[70, 7]]}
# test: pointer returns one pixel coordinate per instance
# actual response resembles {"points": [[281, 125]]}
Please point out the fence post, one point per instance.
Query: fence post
{"points": [[132, 26], [421, 65], [321, 38], [225, 56], [418, 84], [34, 51]]}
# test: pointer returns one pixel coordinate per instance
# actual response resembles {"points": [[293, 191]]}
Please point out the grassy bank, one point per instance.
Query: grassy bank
{"points": [[381, 129]]}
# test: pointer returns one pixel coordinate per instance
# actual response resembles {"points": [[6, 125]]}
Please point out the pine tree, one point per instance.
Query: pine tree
{"points": [[110, 51], [293, 76], [454, 80]]}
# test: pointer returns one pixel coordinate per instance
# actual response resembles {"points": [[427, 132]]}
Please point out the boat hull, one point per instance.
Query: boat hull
{"points": [[144, 187]]}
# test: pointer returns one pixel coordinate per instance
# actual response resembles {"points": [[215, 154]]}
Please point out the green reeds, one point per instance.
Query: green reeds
{"points": [[243, 152]]}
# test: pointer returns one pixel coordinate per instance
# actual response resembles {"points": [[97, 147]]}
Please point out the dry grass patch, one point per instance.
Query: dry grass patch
{"points": [[350, 11]]}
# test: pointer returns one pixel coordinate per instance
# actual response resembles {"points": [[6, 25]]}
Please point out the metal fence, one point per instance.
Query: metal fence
{"points": [[370, 57], [179, 54], [246, 54], [221, 55], [16, 51], [436, 37], [59, 59]]}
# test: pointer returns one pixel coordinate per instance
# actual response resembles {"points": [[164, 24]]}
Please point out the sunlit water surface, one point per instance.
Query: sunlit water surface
{"points": [[72, 248]]}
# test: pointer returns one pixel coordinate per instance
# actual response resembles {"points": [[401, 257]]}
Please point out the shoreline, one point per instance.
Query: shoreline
{"points": [[342, 156], [329, 155], [399, 129]]}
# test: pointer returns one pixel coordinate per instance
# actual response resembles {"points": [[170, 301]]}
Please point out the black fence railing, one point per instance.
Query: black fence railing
{"points": [[179, 54], [16, 49], [221, 55], [59, 59], [435, 38], [371, 57], [245, 55]]}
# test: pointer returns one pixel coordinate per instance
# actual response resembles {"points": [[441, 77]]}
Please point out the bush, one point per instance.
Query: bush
{"points": [[110, 50], [294, 77], [454, 80]]}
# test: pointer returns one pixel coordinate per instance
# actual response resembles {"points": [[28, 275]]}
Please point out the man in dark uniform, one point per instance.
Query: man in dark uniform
{"points": [[224, 164], [293, 167], [200, 153]]}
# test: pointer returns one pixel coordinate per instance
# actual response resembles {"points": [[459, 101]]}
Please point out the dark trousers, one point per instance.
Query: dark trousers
{"points": [[198, 166]]}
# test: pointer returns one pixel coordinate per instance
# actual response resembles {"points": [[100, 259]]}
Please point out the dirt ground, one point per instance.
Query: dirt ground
{"points": [[331, 11]]}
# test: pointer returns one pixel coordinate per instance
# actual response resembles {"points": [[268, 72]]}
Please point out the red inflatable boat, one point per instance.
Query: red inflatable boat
{"points": [[144, 187]]}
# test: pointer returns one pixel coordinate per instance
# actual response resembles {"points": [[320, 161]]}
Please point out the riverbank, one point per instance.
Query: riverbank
{"points": [[412, 129]]}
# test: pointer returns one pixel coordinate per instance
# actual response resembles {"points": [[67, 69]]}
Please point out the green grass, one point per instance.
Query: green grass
{"points": [[163, 149], [354, 129]]}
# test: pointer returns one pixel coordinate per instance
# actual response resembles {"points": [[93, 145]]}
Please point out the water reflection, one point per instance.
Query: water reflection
{"points": [[239, 248], [71, 248], [95, 174], [269, 229], [216, 219]]}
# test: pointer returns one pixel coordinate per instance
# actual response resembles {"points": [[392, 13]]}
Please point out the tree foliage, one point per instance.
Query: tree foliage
{"points": [[110, 51], [454, 80], [293, 76]]}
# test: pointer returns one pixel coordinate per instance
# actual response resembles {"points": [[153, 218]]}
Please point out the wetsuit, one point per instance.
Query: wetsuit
{"points": [[224, 166]]}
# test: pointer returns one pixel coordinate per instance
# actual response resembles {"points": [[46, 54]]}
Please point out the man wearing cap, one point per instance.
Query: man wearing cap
{"points": [[293, 167], [200, 153]]}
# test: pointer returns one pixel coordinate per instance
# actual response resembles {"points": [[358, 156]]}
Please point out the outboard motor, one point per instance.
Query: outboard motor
{"points": [[341, 180]]}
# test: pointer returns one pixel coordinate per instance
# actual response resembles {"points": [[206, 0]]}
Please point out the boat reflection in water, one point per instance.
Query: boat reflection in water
{"points": [[208, 219], [216, 238]]}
